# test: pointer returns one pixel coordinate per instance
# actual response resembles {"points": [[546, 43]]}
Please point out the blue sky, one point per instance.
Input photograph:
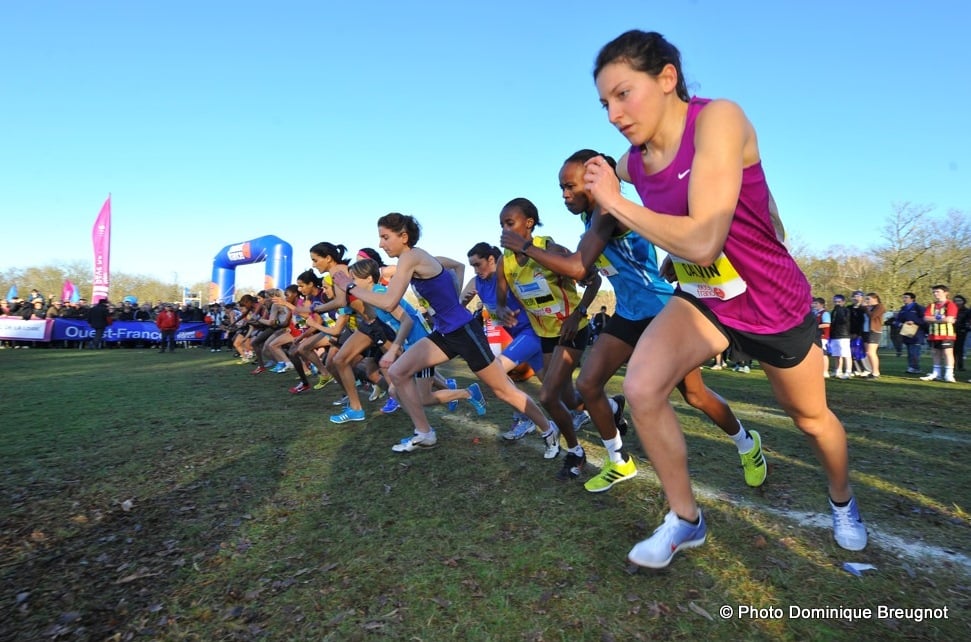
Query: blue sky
{"points": [[212, 123]]}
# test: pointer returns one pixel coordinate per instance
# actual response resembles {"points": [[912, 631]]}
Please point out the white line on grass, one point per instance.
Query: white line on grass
{"points": [[904, 547]]}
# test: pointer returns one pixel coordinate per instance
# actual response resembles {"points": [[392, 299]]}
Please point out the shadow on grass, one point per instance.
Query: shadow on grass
{"points": [[113, 571], [286, 527]]}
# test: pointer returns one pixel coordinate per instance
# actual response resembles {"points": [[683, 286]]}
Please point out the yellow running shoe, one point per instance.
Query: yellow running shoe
{"points": [[753, 463], [611, 474], [322, 381]]}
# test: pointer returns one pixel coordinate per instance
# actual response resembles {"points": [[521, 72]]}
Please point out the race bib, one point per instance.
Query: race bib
{"points": [[537, 297], [720, 280], [604, 267]]}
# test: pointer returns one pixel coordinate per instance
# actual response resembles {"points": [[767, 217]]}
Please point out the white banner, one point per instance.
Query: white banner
{"points": [[16, 329]]}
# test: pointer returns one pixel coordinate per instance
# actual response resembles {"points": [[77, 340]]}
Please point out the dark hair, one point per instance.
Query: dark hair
{"points": [[584, 155], [874, 295], [247, 300], [366, 268], [526, 207], [839, 296], [485, 250], [292, 288], [819, 300], [310, 277], [940, 287], [910, 294], [399, 223], [335, 252], [372, 254], [645, 51]]}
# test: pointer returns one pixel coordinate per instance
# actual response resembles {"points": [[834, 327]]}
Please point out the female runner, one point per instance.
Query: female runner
{"points": [[696, 166], [559, 317], [456, 333]]}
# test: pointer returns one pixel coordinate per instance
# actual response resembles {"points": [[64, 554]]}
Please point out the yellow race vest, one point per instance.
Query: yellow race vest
{"points": [[547, 297]]}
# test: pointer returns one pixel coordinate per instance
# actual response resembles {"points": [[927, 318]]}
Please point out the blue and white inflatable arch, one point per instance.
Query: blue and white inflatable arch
{"points": [[275, 252]]}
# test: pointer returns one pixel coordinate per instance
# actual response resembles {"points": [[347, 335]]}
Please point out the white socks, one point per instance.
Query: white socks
{"points": [[614, 447], [743, 440]]}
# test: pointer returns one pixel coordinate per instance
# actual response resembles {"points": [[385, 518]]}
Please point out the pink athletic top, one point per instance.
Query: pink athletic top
{"points": [[755, 285]]}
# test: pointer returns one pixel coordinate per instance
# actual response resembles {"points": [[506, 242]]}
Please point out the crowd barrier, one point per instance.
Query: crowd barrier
{"points": [[16, 329]]}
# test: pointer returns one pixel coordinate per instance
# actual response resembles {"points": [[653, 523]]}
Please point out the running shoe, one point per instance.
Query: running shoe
{"points": [[390, 406], [322, 381], [279, 368], [521, 427], [552, 441], [673, 535], [300, 387], [343, 401], [417, 441], [580, 417], [930, 377], [377, 393], [611, 474], [753, 462], [349, 414], [572, 466], [313, 369], [619, 422], [848, 528], [453, 405], [476, 399], [260, 369]]}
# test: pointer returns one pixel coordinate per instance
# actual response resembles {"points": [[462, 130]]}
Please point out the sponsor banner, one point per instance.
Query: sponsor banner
{"points": [[16, 329], [77, 330], [101, 239]]}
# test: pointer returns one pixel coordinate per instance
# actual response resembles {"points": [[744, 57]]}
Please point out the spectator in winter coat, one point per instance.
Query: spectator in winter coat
{"points": [[910, 318], [99, 317], [168, 323]]}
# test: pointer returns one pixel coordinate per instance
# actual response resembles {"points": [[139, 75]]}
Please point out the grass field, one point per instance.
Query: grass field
{"points": [[178, 497]]}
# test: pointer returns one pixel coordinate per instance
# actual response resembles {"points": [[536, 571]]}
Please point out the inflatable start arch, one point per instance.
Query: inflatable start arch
{"points": [[276, 253]]}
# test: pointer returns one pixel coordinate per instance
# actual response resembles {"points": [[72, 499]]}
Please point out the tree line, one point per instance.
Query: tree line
{"points": [[49, 280], [915, 249]]}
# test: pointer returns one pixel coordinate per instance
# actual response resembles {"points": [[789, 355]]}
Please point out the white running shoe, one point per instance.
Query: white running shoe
{"points": [[417, 441], [552, 441], [849, 530], [673, 535]]}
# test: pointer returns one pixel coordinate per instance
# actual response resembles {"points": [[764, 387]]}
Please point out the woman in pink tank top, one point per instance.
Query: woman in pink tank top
{"points": [[697, 168]]}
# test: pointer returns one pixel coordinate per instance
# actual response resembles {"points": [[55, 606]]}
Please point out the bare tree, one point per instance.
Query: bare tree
{"points": [[909, 236], [952, 254]]}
